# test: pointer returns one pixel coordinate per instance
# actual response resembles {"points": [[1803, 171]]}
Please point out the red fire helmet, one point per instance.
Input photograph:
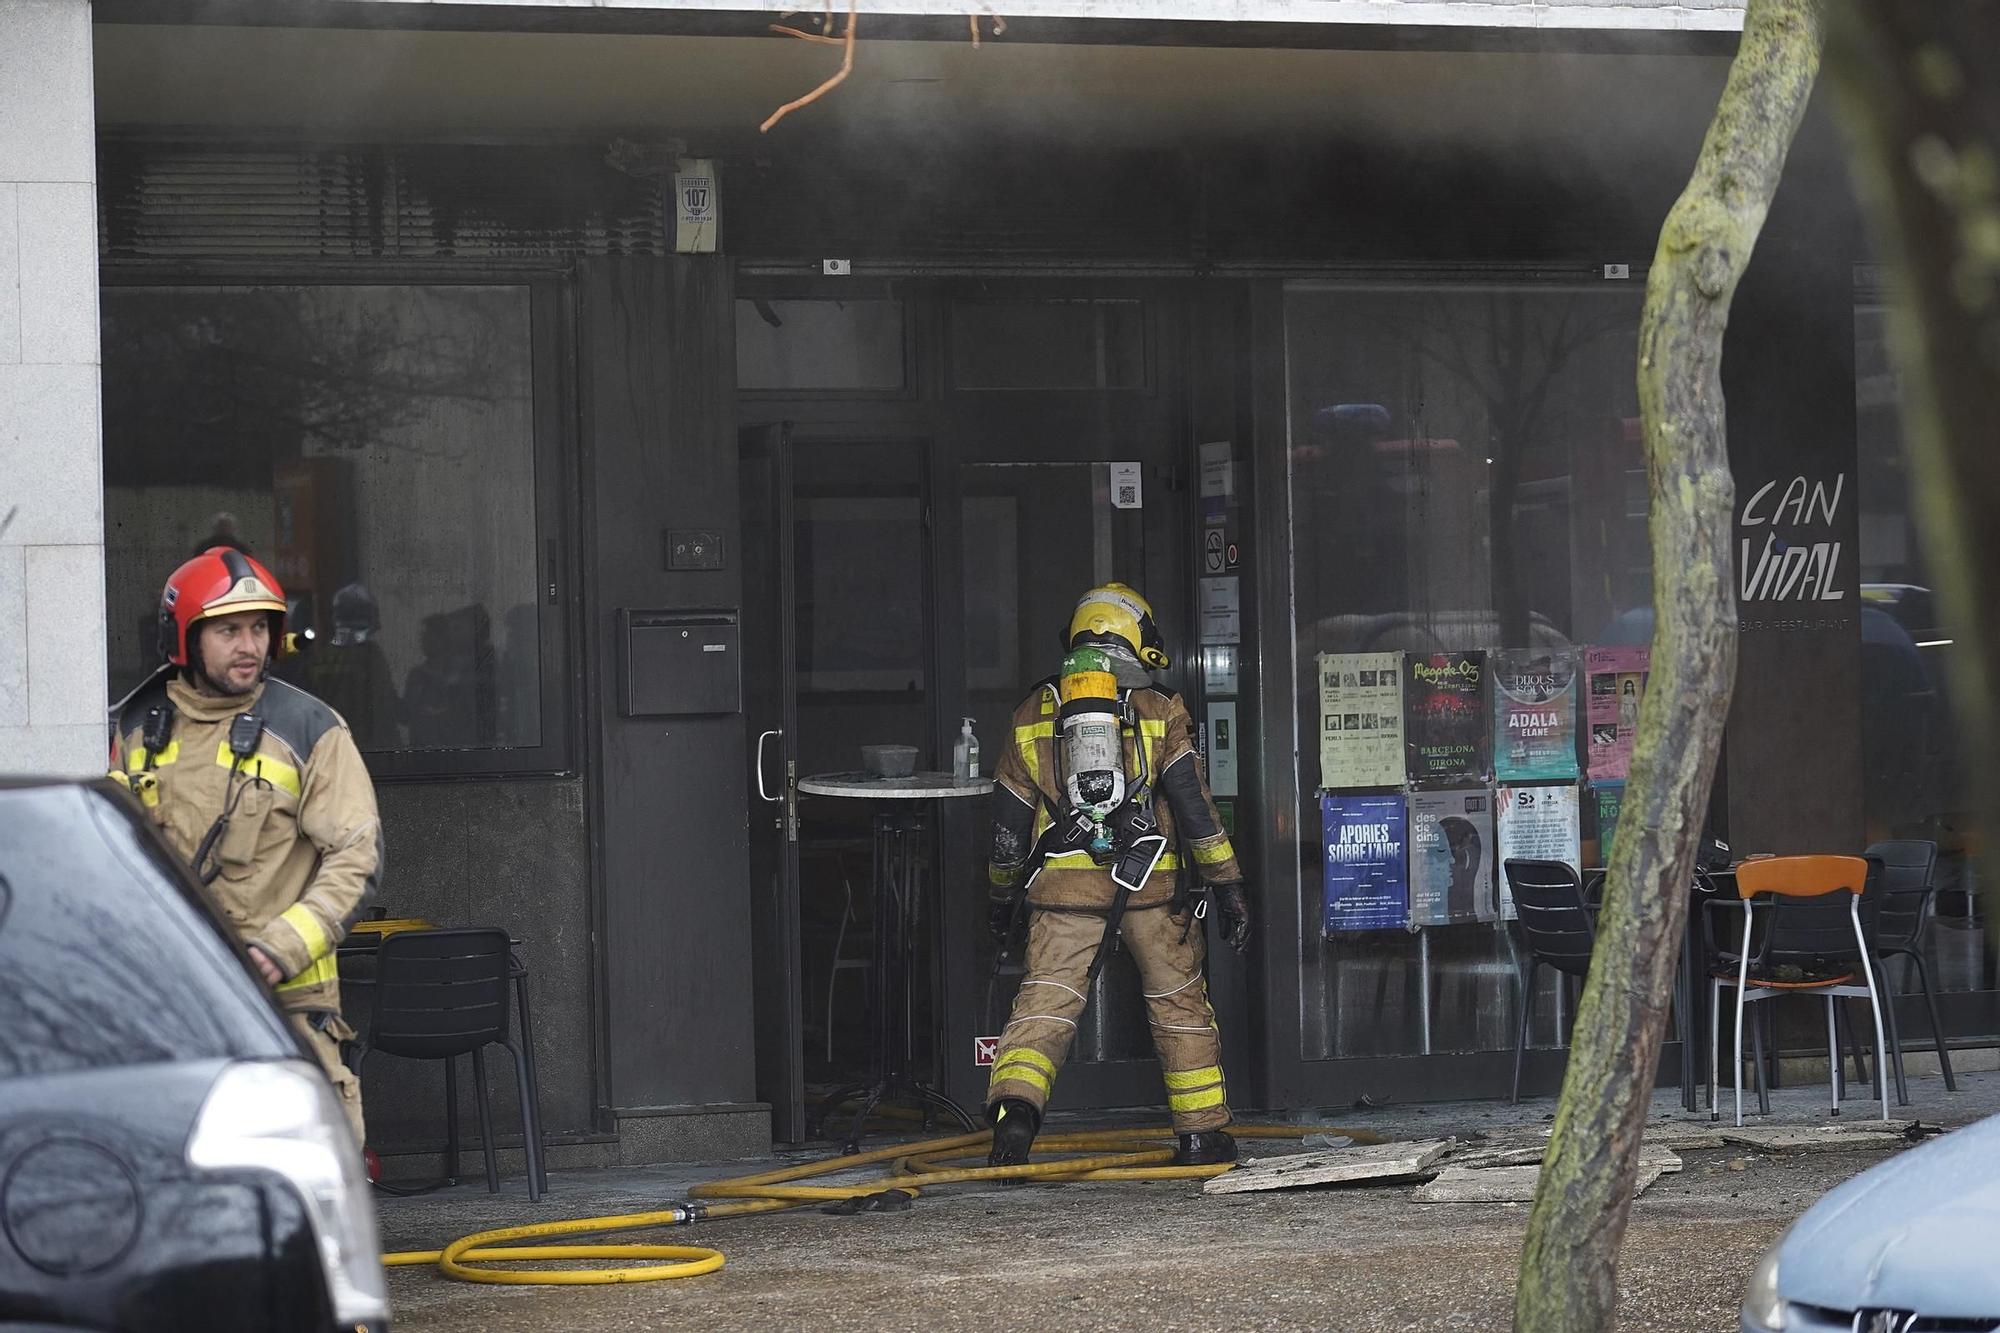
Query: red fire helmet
{"points": [[221, 581]]}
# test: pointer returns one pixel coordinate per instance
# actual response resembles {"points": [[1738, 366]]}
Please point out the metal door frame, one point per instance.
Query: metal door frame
{"points": [[775, 912]]}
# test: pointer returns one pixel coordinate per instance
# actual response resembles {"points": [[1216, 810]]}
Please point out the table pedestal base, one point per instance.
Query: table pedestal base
{"points": [[898, 882]]}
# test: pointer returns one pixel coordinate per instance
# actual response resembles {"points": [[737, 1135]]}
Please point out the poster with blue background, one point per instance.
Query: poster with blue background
{"points": [[1366, 884]]}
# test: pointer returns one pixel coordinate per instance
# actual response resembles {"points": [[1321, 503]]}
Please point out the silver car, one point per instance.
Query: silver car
{"points": [[1905, 1247]]}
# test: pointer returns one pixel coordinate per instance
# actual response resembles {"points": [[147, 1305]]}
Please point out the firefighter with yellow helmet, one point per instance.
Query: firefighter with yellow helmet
{"points": [[259, 787], [1102, 818]]}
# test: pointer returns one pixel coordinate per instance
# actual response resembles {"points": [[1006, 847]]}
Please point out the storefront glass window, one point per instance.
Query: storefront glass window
{"points": [[1055, 344], [786, 345], [376, 447], [1913, 783], [1467, 477]]}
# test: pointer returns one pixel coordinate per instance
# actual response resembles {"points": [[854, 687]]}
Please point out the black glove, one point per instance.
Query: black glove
{"points": [[1000, 919], [1235, 909]]}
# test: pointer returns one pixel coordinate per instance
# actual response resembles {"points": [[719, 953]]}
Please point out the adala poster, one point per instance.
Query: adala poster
{"points": [[1617, 684], [1534, 716], [1360, 720], [1446, 736], [1538, 824], [1365, 887], [1451, 857]]}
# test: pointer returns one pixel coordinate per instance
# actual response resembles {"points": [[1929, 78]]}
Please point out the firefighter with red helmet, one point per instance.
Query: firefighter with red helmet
{"points": [[259, 786]]}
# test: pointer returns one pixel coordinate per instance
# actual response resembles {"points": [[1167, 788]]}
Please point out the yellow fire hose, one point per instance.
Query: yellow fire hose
{"points": [[1102, 1155]]}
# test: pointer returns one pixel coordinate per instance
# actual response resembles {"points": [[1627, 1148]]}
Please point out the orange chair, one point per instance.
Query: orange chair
{"points": [[1807, 932]]}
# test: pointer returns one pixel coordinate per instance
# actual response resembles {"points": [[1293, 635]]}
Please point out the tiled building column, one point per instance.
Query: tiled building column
{"points": [[52, 673]]}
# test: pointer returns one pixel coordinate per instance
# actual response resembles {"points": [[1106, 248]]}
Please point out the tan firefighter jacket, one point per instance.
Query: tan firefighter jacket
{"points": [[302, 851], [1027, 796]]}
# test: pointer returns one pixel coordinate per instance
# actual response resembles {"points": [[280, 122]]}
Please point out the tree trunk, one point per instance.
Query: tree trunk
{"points": [[1569, 1265], [1919, 93]]}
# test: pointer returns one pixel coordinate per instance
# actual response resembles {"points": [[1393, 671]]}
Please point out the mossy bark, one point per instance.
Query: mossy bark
{"points": [[1918, 88], [1569, 1264]]}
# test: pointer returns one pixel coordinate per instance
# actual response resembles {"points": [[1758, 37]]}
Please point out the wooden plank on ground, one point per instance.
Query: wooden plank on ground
{"points": [[1336, 1166]]}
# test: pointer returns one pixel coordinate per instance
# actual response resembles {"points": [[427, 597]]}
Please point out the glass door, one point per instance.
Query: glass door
{"points": [[770, 710]]}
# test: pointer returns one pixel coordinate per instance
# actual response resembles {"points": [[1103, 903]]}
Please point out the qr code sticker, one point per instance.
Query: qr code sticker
{"points": [[1128, 496]]}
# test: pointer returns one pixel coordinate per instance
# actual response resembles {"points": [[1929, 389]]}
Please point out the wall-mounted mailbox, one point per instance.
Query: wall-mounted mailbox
{"points": [[679, 663]]}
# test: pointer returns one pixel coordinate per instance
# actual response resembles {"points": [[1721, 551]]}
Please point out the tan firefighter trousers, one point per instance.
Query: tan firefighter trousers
{"points": [[325, 1043], [1043, 1025]]}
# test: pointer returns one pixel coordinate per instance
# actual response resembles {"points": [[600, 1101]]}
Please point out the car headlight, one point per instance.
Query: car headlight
{"points": [[1762, 1306], [282, 1117]]}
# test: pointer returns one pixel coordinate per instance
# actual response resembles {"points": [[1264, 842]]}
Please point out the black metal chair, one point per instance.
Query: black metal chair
{"points": [[1902, 919], [1557, 929], [440, 994]]}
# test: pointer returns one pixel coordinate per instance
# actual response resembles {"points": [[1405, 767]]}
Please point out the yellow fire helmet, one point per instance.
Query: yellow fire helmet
{"points": [[1115, 614]]}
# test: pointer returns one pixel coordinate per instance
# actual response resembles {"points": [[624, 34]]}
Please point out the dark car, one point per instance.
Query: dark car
{"points": [[170, 1156]]}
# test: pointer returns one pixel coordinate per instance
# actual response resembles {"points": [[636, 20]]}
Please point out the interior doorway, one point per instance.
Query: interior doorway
{"points": [[960, 462]]}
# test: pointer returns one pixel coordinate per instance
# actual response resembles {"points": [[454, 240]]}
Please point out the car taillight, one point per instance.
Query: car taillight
{"points": [[281, 1117]]}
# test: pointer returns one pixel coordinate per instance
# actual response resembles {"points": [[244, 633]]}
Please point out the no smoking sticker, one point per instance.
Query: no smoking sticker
{"points": [[985, 1050], [1212, 551]]}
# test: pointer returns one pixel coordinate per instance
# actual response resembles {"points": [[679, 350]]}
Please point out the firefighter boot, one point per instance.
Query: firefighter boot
{"points": [[1014, 1126], [1206, 1148]]}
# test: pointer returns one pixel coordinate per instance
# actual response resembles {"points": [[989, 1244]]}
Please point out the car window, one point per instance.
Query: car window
{"points": [[103, 962]]}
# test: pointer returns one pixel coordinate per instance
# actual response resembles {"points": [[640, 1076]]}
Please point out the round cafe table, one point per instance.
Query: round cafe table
{"points": [[900, 809]]}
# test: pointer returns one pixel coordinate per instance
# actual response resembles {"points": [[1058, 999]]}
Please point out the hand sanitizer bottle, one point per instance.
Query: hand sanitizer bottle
{"points": [[965, 754]]}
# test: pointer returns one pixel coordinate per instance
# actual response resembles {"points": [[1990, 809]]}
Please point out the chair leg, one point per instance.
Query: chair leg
{"points": [[1739, 1058], [1833, 1055], [1937, 1028], [1524, 980], [1842, 1023], [1714, 1045], [1875, 1006], [1872, 1075], [1895, 1052], [531, 1127], [1759, 1020], [485, 1103], [534, 1082], [1861, 1070], [833, 980], [451, 1144]]}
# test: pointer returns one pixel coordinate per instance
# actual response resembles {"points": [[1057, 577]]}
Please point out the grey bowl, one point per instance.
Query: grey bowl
{"points": [[889, 761]]}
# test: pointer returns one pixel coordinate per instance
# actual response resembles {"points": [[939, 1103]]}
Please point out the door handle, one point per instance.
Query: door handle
{"points": [[764, 792]]}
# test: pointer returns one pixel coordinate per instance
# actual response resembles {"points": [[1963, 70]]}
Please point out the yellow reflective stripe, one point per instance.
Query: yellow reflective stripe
{"points": [[319, 972], [1215, 854], [1024, 741], [1194, 1101], [1171, 861], [1016, 1072], [1048, 705], [1194, 1078], [1028, 1055], [273, 771], [1153, 729], [300, 918], [135, 760], [1003, 877]]}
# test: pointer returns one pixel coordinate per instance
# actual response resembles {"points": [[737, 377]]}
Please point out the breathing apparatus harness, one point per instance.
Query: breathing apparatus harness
{"points": [[1102, 813]]}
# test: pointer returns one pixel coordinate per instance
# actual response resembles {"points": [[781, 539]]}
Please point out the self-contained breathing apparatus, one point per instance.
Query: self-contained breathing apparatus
{"points": [[1105, 813]]}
